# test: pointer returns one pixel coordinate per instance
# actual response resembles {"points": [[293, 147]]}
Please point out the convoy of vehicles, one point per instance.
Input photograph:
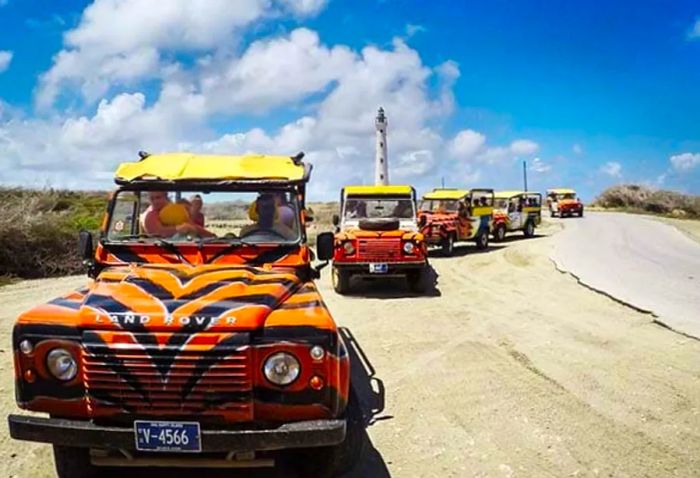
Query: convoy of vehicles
{"points": [[563, 203], [201, 339], [196, 343], [516, 211], [448, 216], [377, 236]]}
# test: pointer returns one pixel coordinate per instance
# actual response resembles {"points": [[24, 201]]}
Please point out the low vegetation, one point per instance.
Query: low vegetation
{"points": [[39, 230], [636, 198]]}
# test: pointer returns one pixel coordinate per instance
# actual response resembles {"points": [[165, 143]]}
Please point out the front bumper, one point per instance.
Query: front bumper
{"points": [[85, 434], [393, 268]]}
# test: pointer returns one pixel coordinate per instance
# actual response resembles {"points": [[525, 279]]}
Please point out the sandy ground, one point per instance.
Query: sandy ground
{"points": [[508, 369]]}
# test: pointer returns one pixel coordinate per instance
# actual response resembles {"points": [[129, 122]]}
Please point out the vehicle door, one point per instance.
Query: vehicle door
{"points": [[464, 223], [515, 213]]}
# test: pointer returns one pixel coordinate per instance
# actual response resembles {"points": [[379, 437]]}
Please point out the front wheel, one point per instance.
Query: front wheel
{"points": [[327, 462], [418, 280], [73, 462], [448, 245], [341, 280], [529, 230], [499, 235], [482, 241]]}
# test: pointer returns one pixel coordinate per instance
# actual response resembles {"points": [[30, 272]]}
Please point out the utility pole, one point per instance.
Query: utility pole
{"points": [[525, 174]]}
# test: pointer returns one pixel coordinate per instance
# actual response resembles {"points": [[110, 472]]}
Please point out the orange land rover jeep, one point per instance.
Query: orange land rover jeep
{"points": [[200, 339], [378, 237]]}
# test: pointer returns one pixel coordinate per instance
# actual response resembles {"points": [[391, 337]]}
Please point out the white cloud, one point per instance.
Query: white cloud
{"points": [[694, 32], [577, 148], [523, 147], [466, 144], [118, 42], [5, 60], [412, 29], [612, 169], [275, 71], [685, 161], [540, 166], [304, 7]]}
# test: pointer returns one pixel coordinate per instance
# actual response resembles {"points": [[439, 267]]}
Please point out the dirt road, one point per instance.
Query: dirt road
{"points": [[510, 369], [642, 262]]}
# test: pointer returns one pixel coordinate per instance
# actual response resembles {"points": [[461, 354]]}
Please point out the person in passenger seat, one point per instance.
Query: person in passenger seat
{"points": [[266, 212]]}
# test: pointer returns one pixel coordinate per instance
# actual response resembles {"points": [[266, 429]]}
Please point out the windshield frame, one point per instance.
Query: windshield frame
{"points": [[379, 197], [296, 193]]}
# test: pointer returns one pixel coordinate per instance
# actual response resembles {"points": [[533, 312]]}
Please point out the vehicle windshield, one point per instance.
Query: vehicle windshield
{"points": [[566, 196], [358, 207], [191, 216], [440, 205], [501, 203]]}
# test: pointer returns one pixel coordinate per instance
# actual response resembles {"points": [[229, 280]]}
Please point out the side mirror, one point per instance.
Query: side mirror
{"points": [[324, 246], [336, 220], [308, 215], [422, 220], [86, 248]]}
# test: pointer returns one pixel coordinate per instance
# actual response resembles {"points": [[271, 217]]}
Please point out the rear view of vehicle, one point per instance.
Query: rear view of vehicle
{"points": [[516, 211], [448, 216], [563, 203], [378, 237], [201, 339]]}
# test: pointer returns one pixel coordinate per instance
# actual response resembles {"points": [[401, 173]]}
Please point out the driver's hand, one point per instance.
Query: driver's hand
{"points": [[186, 228]]}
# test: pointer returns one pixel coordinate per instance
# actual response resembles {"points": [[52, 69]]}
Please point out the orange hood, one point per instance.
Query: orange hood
{"points": [[363, 234], [175, 298]]}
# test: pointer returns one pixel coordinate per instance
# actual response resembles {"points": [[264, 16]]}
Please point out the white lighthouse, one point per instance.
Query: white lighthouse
{"points": [[381, 166]]}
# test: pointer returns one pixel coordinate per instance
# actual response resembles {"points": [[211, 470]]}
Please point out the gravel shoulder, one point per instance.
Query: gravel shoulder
{"points": [[510, 368]]}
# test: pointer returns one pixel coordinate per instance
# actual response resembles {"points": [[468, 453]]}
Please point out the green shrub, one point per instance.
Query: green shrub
{"points": [[635, 197], [39, 230]]}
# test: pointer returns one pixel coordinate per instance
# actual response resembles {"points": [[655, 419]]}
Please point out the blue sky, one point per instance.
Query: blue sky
{"points": [[589, 93]]}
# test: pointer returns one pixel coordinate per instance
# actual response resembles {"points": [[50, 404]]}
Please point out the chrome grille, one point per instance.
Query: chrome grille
{"points": [[168, 380], [380, 250]]}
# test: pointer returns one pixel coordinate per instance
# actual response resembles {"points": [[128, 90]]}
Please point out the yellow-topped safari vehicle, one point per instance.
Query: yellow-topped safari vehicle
{"points": [[516, 211], [448, 216], [564, 202], [201, 339], [378, 236]]}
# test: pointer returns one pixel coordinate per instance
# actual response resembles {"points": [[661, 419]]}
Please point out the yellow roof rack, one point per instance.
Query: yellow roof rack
{"points": [[446, 194], [392, 190], [561, 191], [206, 167]]}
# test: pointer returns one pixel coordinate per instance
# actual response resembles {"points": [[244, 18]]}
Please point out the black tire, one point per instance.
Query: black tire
{"points": [[341, 280], [379, 224], [482, 240], [73, 462], [499, 234], [448, 245], [529, 230], [418, 280], [327, 462]]}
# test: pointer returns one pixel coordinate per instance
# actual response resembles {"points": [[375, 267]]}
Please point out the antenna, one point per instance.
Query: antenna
{"points": [[442, 182]]}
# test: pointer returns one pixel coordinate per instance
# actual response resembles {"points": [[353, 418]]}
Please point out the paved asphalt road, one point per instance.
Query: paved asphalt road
{"points": [[637, 260]]}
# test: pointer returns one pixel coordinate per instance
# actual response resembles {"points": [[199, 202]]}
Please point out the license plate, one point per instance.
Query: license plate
{"points": [[168, 436], [378, 268]]}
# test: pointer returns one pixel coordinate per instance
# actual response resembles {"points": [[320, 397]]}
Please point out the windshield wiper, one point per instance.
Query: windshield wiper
{"points": [[169, 246], [233, 244], [132, 236]]}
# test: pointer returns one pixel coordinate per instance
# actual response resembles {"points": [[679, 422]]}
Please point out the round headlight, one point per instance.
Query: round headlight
{"points": [[26, 347], [349, 248], [281, 368], [62, 365], [317, 352], [408, 248]]}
